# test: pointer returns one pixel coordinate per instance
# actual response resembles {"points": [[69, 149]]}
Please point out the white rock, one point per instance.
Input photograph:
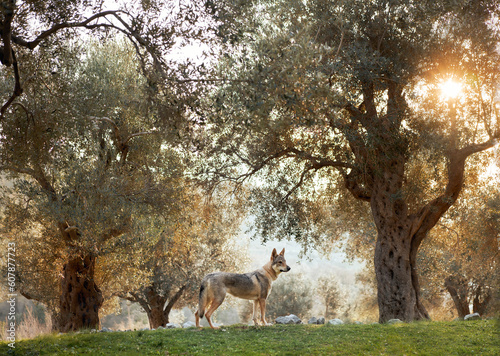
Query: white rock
{"points": [[289, 319], [188, 324], [335, 322], [394, 321], [474, 316], [172, 326], [315, 320]]}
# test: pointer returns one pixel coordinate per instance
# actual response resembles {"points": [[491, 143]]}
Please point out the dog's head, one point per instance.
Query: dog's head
{"points": [[278, 262]]}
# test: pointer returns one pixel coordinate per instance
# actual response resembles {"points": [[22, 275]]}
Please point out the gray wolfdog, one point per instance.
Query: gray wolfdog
{"points": [[254, 286]]}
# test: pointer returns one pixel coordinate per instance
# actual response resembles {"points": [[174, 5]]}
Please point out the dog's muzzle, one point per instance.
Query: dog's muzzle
{"points": [[287, 269]]}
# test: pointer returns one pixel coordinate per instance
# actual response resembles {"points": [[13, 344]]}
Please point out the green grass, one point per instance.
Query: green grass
{"points": [[422, 338]]}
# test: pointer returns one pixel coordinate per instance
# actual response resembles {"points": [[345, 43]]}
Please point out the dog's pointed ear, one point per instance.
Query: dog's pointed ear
{"points": [[274, 254], [282, 253]]}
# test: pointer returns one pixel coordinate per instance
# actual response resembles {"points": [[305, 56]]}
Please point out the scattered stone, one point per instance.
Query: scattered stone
{"points": [[335, 322], [188, 324], [358, 323], [172, 326], [144, 329], [394, 321], [289, 319], [93, 331], [105, 330], [474, 316], [315, 320]]}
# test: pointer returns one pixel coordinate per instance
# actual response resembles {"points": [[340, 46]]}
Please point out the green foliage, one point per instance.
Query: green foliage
{"points": [[330, 294], [199, 240], [291, 294], [464, 251], [435, 338], [154, 28], [88, 166], [328, 98], [329, 95]]}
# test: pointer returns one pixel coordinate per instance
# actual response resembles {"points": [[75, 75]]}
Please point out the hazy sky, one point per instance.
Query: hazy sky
{"points": [[312, 265]]}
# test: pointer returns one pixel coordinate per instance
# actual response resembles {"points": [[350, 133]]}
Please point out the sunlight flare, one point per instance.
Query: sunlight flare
{"points": [[450, 89]]}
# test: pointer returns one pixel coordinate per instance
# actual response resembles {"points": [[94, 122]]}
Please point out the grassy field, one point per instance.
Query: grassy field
{"points": [[423, 338]]}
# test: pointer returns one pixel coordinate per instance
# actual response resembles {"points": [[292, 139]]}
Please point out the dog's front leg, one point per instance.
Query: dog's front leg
{"points": [[262, 303], [254, 317]]}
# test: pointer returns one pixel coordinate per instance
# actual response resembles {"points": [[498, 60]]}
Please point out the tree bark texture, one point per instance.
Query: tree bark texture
{"points": [[398, 290], [157, 305], [80, 298], [481, 301], [155, 311], [378, 177], [457, 288]]}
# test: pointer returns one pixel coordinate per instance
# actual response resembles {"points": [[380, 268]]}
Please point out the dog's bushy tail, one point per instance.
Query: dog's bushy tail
{"points": [[202, 301]]}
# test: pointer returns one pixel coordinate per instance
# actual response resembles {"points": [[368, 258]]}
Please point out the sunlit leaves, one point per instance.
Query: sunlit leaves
{"points": [[85, 138]]}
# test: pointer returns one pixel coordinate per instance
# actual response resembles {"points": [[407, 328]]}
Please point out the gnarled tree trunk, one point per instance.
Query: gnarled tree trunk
{"points": [[154, 308], [398, 288], [457, 288], [155, 304], [80, 299]]}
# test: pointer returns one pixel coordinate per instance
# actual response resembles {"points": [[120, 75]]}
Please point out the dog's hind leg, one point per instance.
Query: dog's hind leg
{"points": [[197, 318], [216, 302], [202, 303]]}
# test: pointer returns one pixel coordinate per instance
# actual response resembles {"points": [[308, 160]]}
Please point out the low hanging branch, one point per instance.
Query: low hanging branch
{"points": [[7, 52], [428, 216], [120, 143]]}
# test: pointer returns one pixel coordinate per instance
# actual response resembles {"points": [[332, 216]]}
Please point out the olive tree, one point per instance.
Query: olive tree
{"points": [[329, 98], [88, 166]]}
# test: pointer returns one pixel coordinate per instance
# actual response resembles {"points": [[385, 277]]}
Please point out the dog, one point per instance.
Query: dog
{"points": [[254, 286]]}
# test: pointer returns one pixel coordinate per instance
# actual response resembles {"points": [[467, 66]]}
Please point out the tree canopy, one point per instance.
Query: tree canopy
{"points": [[80, 139], [462, 253], [199, 241], [336, 97]]}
